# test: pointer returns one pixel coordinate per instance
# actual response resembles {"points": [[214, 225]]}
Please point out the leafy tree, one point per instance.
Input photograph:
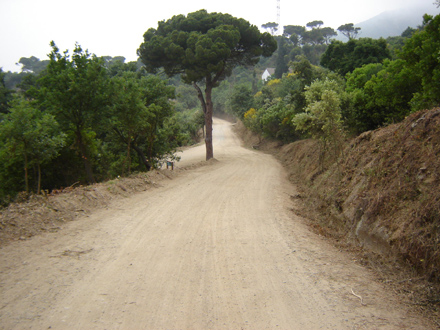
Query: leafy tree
{"points": [[303, 75], [304, 69], [130, 114], [421, 52], [381, 94], [294, 33], [327, 34], [408, 32], [76, 92], [5, 93], [315, 24], [313, 37], [275, 118], [281, 65], [33, 65], [293, 29], [241, 100], [313, 52], [191, 123], [109, 61], [186, 99], [204, 48], [349, 30], [221, 96], [345, 57], [156, 95], [322, 117], [272, 27], [311, 42], [28, 85], [116, 66], [360, 76], [251, 121], [28, 133], [139, 111]]}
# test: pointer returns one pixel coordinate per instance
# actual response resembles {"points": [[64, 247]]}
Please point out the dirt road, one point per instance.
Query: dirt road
{"points": [[217, 247]]}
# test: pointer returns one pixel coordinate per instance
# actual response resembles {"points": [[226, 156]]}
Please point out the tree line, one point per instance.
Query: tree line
{"points": [[81, 119], [89, 118], [359, 85]]}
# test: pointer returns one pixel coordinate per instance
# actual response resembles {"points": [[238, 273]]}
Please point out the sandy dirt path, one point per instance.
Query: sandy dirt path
{"points": [[217, 247]]}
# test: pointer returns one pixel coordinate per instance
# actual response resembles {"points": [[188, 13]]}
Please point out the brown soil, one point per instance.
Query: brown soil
{"points": [[47, 213], [212, 246], [382, 195]]}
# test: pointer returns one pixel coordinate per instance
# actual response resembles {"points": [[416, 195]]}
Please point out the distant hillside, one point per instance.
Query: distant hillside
{"points": [[393, 23]]}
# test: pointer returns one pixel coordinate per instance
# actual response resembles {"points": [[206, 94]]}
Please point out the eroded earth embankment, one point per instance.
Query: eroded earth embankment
{"points": [[382, 194]]}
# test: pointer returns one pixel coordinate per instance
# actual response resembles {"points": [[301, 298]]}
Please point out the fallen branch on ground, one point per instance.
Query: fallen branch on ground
{"points": [[362, 301]]}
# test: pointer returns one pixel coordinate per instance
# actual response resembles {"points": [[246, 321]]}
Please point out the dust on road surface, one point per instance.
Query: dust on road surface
{"points": [[217, 247]]}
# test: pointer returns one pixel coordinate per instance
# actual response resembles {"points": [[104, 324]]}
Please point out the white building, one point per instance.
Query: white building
{"points": [[267, 73]]}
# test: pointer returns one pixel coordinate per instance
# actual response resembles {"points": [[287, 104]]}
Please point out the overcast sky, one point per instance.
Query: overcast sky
{"points": [[115, 28]]}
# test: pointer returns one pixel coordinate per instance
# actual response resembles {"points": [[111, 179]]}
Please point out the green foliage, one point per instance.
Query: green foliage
{"points": [[345, 57], [281, 65], [360, 76], [322, 117], [191, 123], [140, 111], [221, 96], [293, 33], [310, 41], [84, 118], [203, 45], [315, 24], [204, 48], [349, 30], [31, 136], [28, 85], [130, 114], [272, 27], [378, 90], [408, 33], [156, 95], [381, 94], [33, 65], [5, 94], [186, 98], [280, 100], [252, 121], [276, 120], [395, 44], [422, 53], [76, 92], [241, 100]]}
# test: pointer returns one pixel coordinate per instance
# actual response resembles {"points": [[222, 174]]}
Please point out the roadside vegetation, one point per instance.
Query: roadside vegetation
{"points": [[77, 118]]}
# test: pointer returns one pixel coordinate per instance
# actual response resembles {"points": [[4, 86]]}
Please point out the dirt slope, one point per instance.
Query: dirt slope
{"points": [[382, 194], [216, 247]]}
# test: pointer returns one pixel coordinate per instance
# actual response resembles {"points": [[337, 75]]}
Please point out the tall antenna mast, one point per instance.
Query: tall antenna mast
{"points": [[279, 16]]}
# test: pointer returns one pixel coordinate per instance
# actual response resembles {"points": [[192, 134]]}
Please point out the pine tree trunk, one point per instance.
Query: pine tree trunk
{"points": [[208, 123], [208, 108]]}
